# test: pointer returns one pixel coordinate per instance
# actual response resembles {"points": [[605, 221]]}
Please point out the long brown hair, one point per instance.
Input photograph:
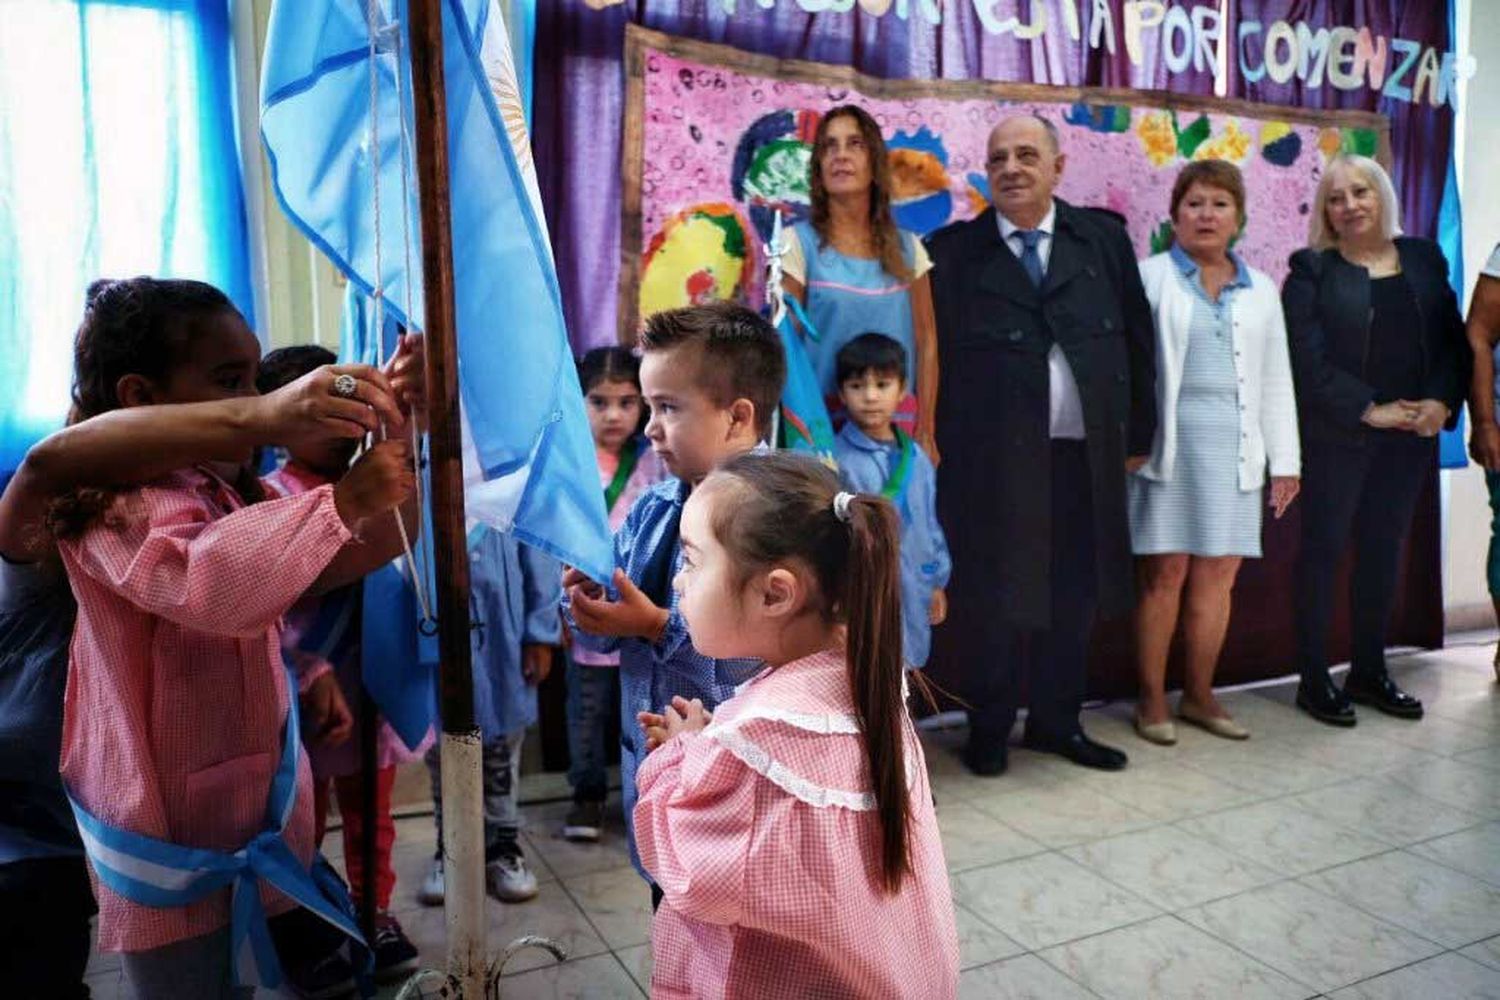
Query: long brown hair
{"points": [[884, 233], [783, 512]]}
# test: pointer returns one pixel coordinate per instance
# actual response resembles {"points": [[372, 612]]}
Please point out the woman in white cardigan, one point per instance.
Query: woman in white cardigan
{"points": [[1226, 414]]}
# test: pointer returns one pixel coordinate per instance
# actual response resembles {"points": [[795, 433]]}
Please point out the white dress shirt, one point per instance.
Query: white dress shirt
{"points": [[1065, 405]]}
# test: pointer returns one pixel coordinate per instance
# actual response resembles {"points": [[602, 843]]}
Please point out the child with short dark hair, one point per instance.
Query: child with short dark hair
{"points": [[792, 833], [323, 632], [876, 456], [611, 382], [712, 375]]}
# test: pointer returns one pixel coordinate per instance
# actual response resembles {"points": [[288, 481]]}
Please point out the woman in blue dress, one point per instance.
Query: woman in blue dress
{"points": [[1228, 416], [856, 272]]}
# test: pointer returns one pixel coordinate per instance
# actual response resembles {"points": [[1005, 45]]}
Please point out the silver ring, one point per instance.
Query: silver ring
{"points": [[345, 385]]}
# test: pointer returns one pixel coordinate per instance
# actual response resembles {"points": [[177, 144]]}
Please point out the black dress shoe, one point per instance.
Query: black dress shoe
{"points": [[1326, 703], [985, 759], [1081, 750], [1381, 693]]}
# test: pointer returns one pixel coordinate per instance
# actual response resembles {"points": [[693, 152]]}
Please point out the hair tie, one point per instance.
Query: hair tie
{"points": [[841, 502]]}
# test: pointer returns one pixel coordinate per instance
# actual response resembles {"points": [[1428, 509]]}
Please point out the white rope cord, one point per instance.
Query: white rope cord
{"points": [[374, 29]]}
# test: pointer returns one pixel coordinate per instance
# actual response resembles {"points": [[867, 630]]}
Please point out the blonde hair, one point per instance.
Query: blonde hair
{"points": [[1320, 234]]}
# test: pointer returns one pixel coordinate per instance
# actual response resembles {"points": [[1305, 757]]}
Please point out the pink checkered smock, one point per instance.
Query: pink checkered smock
{"points": [[761, 832], [177, 694]]}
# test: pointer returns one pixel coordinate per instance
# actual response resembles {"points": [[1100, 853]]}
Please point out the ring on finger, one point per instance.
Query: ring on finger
{"points": [[345, 385]]}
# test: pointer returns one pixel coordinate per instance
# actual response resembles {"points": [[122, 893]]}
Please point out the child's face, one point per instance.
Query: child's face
{"points": [[871, 398], [221, 363], [688, 430], [711, 602], [614, 412]]}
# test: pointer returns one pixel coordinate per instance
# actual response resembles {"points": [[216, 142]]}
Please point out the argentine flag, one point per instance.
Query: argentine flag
{"points": [[528, 456]]}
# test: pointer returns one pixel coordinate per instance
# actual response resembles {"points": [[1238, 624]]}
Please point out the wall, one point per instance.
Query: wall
{"points": [[1467, 510]]}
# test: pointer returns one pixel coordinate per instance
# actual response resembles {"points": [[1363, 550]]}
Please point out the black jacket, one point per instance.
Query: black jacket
{"points": [[1328, 316], [994, 331]]}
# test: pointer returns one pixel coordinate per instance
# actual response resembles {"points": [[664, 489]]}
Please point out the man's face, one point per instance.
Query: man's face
{"points": [[1024, 168]]}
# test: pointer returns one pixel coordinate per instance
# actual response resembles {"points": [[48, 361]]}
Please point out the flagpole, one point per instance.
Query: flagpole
{"points": [[463, 840]]}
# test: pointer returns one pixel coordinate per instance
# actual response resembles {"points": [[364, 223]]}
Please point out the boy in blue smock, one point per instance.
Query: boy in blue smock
{"points": [[514, 595], [876, 456], [712, 376]]}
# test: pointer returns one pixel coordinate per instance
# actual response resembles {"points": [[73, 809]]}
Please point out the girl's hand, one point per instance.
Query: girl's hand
{"points": [[1284, 490], [380, 480], [937, 611], [685, 716], [328, 719], [536, 663], [655, 728], [407, 371]]}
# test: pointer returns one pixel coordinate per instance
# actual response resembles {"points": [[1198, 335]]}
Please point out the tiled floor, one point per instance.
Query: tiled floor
{"points": [[1307, 862]]}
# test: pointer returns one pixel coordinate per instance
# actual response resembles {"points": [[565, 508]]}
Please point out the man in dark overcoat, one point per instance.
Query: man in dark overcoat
{"points": [[1048, 401]]}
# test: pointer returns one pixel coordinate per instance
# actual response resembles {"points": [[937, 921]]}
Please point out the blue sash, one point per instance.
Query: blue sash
{"points": [[157, 873]]}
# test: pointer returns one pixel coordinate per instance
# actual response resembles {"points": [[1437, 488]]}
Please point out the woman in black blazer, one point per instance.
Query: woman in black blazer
{"points": [[1381, 363]]}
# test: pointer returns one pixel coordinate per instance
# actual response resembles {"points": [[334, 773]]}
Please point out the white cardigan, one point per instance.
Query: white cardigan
{"points": [[1268, 402]]}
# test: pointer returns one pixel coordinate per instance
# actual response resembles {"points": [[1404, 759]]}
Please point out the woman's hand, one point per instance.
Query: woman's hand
{"points": [[1284, 490], [1428, 417], [1397, 416], [308, 410], [1484, 444]]}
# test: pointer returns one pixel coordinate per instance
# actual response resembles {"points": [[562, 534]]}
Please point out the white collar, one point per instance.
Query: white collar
{"points": [[1009, 229]]}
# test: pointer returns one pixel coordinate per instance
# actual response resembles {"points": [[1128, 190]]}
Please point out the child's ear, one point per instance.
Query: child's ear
{"points": [[742, 417], [781, 595], [135, 390]]}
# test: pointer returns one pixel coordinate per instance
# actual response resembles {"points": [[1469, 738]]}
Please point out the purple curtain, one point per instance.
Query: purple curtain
{"points": [[579, 93]]}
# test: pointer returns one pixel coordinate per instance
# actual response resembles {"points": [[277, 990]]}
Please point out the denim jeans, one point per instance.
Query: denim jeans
{"points": [[593, 697]]}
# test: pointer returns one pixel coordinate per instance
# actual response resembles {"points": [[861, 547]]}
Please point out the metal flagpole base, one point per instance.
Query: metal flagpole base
{"points": [[463, 862]]}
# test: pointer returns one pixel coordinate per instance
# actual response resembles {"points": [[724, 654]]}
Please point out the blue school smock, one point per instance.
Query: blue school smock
{"points": [[514, 595], [647, 547], [865, 465]]}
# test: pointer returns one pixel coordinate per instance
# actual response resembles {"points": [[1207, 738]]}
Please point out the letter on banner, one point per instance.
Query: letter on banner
{"points": [[1394, 88], [1102, 22], [929, 10], [1177, 24], [1140, 15], [1070, 19], [1428, 72], [1012, 25], [1343, 58], [1280, 71], [1248, 28], [1312, 54], [1208, 29], [1371, 57]]}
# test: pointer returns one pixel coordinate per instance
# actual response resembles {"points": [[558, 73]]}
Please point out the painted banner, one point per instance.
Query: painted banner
{"points": [[717, 139]]}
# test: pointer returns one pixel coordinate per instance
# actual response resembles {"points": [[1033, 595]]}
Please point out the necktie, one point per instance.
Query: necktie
{"points": [[1031, 261]]}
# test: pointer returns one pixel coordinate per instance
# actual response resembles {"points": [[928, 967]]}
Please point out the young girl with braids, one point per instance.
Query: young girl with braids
{"points": [[792, 833], [177, 710]]}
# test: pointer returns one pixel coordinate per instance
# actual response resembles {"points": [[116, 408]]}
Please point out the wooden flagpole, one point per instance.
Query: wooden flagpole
{"points": [[463, 837]]}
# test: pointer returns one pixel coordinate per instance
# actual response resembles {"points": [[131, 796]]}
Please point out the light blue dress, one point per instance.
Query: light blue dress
{"points": [[1201, 510]]}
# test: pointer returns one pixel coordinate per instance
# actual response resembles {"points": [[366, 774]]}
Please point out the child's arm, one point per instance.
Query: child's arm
{"points": [[942, 560], [694, 825], [578, 588]]}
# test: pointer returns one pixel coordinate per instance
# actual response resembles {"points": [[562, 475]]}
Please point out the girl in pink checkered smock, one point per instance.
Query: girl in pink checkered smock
{"points": [[792, 833], [176, 696]]}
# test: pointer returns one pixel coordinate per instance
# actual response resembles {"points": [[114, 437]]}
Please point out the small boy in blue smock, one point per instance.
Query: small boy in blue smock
{"points": [[876, 456], [712, 376]]}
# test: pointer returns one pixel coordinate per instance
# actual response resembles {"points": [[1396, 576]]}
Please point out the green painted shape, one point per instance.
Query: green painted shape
{"points": [[1161, 239], [1121, 120], [734, 236], [779, 171], [1190, 138], [1359, 141]]}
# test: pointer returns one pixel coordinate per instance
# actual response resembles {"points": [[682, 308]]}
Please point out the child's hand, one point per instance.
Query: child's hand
{"points": [[380, 480], [634, 615], [655, 728], [683, 716], [407, 371], [328, 719], [536, 662], [937, 611], [577, 578]]}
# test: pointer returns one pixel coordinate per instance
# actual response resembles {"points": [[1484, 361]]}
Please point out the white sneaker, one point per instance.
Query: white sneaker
{"points": [[431, 892], [509, 880]]}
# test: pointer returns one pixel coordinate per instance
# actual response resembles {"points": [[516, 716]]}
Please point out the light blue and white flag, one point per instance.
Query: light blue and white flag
{"points": [[528, 455]]}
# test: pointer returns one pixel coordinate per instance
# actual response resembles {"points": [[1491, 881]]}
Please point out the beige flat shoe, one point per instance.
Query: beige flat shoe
{"points": [[1220, 725], [1160, 733]]}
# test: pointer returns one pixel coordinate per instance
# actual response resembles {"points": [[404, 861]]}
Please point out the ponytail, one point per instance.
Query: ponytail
{"points": [[872, 609], [788, 508]]}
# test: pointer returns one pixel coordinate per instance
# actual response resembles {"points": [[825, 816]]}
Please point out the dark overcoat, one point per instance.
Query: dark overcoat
{"points": [[994, 331]]}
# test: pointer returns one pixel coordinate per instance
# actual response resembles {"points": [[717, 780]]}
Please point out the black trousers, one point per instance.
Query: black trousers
{"points": [[1369, 494], [45, 906], [1050, 661]]}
